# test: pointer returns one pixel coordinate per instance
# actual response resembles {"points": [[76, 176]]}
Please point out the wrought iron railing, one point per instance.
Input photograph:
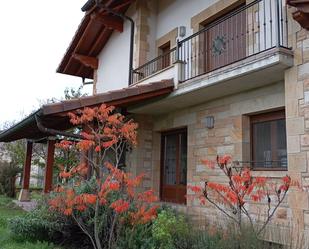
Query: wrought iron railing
{"points": [[249, 30], [151, 67], [263, 165]]}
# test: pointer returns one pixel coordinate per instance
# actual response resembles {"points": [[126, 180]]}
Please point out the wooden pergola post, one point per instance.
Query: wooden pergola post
{"points": [[48, 180], [24, 194]]}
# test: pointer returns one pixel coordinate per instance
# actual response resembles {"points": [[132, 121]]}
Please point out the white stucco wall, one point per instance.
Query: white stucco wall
{"points": [[178, 13], [113, 70]]}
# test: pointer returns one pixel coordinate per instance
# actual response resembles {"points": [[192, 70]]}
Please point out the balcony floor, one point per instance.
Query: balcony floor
{"points": [[256, 71]]}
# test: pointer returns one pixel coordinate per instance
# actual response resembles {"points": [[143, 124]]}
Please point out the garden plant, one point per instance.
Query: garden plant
{"points": [[97, 193], [232, 198]]}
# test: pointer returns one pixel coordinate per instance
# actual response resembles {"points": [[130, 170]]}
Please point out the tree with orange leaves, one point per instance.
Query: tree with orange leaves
{"points": [[106, 136], [241, 188]]}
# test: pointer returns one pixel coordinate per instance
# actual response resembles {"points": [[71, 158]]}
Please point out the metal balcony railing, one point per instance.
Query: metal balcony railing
{"points": [[151, 67], [246, 31]]}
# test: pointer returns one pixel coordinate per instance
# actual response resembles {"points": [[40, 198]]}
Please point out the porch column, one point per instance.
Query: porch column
{"points": [[24, 194], [48, 180]]}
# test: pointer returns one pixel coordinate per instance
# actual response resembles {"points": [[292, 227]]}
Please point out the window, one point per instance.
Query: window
{"points": [[268, 141], [174, 166]]}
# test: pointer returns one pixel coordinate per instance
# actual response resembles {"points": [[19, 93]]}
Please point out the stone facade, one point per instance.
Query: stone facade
{"points": [[231, 135]]}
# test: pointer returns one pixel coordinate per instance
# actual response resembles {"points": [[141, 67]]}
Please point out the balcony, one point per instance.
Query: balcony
{"points": [[250, 40]]}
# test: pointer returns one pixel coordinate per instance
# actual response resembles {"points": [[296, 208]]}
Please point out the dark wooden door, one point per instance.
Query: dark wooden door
{"points": [[174, 166], [165, 60], [225, 42]]}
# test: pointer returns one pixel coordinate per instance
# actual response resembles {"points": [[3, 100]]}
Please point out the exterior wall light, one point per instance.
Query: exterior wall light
{"points": [[182, 31], [210, 122]]}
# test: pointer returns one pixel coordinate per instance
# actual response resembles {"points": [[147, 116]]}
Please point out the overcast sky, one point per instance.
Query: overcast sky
{"points": [[34, 36]]}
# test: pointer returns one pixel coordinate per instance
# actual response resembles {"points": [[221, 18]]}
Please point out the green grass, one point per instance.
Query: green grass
{"points": [[7, 240]]}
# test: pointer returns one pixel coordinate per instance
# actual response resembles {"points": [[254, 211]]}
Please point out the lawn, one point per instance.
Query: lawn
{"points": [[7, 240]]}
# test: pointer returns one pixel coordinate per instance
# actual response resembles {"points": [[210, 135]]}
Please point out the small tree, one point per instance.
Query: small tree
{"points": [[241, 187], [8, 173], [111, 190]]}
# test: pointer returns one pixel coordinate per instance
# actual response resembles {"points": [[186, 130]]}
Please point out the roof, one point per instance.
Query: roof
{"points": [[95, 29], [53, 116]]}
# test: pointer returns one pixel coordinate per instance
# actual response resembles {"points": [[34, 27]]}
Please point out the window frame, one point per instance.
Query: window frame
{"points": [[260, 118]]}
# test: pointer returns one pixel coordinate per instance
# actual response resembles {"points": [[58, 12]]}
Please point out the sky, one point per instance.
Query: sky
{"points": [[34, 37]]}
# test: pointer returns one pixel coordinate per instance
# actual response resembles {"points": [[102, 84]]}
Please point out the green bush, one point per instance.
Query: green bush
{"points": [[171, 231], [39, 224], [8, 173], [138, 238]]}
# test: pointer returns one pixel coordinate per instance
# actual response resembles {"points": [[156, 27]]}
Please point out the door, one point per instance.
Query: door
{"points": [[174, 166], [165, 60], [224, 41]]}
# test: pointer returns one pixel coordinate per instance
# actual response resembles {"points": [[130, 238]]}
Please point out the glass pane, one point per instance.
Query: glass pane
{"points": [[262, 144], [170, 159], [183, 158], [281, 144]]}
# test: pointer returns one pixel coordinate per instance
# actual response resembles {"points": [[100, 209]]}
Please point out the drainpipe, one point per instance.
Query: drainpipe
{"points": [[124, 17]]}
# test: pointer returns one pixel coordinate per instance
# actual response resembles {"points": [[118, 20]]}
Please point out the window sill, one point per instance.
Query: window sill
{"points": [[270, 173]]}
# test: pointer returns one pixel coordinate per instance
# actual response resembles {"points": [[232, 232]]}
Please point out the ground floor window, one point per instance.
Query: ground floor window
{"points": [[174, 166], [268, 141]]}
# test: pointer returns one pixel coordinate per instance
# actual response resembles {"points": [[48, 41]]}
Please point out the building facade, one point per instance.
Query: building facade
{"points": [[241, 87], [239, 71]]}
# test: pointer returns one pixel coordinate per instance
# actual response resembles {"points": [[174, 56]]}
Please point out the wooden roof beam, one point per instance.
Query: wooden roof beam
{"points": [[111, 22], [301, 15], [87, 61]]}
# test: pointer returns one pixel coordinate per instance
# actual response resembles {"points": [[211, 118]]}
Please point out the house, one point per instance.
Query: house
{"points": [[202, 78]]}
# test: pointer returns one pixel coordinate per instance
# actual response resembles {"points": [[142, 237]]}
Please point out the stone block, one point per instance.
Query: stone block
{"points": [[282, 213], [297, 162], [304, 140], [298, 200], [303, 71], [293, 144], [226, 150], [201, 152], [298, 56], [295, 126], [306, 218], [200, 168]]}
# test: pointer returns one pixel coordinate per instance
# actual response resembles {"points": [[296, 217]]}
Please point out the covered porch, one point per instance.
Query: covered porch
{"points": [[51, 123]]}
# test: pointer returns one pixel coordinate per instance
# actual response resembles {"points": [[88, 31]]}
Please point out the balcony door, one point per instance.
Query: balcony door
{"points": [[224, 42], [174, 166]]}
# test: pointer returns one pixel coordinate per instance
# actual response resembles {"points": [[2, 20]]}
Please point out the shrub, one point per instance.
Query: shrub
{"points": [[138, 238], [171, 230], [8, 172], [42, 224], [111, 202], [38, 224]]}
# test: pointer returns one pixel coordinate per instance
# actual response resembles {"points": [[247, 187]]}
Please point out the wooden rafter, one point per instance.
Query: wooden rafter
{"points": [[87, 61], [109, 21], [301, 15]]}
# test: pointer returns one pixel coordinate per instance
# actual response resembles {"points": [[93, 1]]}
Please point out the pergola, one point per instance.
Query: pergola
{"points": [[51, 120]]}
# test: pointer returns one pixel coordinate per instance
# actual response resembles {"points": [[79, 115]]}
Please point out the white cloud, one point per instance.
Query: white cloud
{"points": [[34, 36]]}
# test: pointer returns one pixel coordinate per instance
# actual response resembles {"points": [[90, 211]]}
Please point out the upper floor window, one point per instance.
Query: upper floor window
{"points": [[268, 141]]}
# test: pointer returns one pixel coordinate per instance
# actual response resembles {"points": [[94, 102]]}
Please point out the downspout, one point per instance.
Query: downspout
{"points": [[124, 17]]}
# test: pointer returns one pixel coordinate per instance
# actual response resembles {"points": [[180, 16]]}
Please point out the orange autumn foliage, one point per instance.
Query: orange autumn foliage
{"points": [[111, 189], [241, 188], [67, 200]]}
